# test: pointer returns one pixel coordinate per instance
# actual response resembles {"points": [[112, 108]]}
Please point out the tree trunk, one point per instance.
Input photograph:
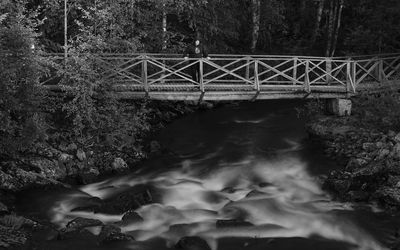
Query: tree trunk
{"points": [[338, 24], [331, 27], [164, 27], [255, 12], [317, 24]]}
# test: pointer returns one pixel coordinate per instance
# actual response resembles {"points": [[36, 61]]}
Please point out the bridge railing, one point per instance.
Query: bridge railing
{"points": [[229, 73]]}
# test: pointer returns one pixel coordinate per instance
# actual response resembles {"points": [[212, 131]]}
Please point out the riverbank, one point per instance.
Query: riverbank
{"points": [[58, 162], [367, 145]]}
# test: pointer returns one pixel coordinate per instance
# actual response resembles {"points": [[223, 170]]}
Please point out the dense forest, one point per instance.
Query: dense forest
{"points": [[28, 28]]}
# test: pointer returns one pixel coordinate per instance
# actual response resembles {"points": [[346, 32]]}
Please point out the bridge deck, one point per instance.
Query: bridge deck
{"points": [[240, 77]]}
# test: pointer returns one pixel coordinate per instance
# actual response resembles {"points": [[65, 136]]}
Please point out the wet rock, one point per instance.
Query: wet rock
{"points": [[337, 185], [388, 195], [397, 137], [72, 233], [131, 217], [80, 223], [129, 200], [81, 155], [355, 163], [155, 147], [112, 233], [372, 170], [232, 223], [359, 196], [49, 168], [369, 146], [3, 209], [11, 238], [119, 165], [63, 157], [72, 147], [192, 243], [88, 175], [383, 153], [395, 153]]}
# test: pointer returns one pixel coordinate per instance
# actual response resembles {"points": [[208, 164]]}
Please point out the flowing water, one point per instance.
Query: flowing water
{"points": [[239, 177]]}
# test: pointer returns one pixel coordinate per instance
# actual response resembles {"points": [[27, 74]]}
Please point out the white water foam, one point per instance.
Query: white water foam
{"points": [[279, 198]]}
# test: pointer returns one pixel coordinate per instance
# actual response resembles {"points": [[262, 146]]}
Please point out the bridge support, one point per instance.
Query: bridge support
{"points": [[339, 107]]}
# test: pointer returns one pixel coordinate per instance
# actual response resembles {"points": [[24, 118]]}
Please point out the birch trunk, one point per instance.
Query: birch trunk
{"points": [[317, 24], [331, 28], [338, 24], [164, 27], [255, 11]]}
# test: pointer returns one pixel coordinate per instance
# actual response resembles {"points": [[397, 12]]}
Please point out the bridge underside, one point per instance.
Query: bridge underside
{"points": [[227, 96], [226, 93]]}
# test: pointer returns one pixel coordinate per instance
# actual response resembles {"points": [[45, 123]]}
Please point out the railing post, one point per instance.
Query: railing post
{"points": [[247, 68], [328, 70], [295, 65], [256, 79], [201, 80], [307, 87], [348, 77], [144, 74], [381, 76]]}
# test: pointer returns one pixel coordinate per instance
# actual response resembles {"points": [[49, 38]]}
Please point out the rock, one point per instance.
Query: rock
{"points": [[80, 223], [388, 195], [131, 217], [369, 146], [89, 175], [119, 165], [355, 163], [396, 151], [232, 223], [71, 233], [337, 185], [81, 155], [72, 147], [192, 243], [397, 137], [49, 168], [383, 153], [131, 199], [359, 196], [63, 157], [111, 233], [154, 147], [372, 170], [11, 238], [391, 134], [3, 209]]}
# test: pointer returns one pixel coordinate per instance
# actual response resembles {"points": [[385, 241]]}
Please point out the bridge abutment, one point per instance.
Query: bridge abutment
{"points": [[340, 107]]}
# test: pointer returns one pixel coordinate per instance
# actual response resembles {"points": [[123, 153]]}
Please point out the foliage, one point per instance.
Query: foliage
{"points": [[382, 112], [13, 221], [21, 122], [312, 108]]}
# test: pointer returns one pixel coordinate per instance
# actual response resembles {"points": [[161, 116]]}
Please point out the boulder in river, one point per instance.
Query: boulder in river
{"points": [[119, 165], [112, 233], [80, 223], [131, 217], [12, 239], [192, 243]]}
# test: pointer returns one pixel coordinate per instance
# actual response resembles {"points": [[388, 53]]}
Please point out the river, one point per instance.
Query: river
{"points": [[240, 177]]}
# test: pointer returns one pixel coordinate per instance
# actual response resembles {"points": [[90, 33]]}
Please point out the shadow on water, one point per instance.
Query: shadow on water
{"points": [[251, 164]]}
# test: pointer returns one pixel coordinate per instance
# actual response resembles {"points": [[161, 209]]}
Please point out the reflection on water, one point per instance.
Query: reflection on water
{"points": [[248, 165]]}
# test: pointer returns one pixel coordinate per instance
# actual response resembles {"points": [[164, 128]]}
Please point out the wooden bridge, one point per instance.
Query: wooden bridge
{"points": [[244, 77]]}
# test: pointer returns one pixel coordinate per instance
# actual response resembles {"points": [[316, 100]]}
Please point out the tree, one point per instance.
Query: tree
{"points": [[21, 121]]}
